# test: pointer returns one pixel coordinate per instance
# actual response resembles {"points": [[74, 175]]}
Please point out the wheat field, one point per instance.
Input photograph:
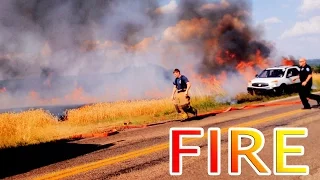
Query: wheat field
{"points": [[36, 126], [316, 80]]}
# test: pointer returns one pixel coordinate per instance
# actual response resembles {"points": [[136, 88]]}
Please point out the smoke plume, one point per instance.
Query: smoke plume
{"points": [[67, 52]]}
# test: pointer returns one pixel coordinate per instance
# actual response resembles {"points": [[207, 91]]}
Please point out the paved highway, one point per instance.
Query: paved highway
{"points": [[144, 153]]}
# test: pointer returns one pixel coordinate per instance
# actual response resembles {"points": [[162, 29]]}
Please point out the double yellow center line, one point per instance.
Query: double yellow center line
{"points": [[142, 152]]}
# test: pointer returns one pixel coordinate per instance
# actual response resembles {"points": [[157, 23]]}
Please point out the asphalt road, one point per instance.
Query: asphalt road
{"points": [[144, 153]]}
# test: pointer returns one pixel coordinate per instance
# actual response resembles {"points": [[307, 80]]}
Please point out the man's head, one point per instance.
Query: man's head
{"points": [[176, 73], [302, 62]]}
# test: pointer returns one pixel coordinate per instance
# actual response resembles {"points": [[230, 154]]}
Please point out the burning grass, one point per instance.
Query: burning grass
{"points": [[36, 126], [118, 112], [245, 97]]}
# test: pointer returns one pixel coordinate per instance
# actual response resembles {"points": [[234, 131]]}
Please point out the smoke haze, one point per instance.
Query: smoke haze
{"points": [[79, 51]]}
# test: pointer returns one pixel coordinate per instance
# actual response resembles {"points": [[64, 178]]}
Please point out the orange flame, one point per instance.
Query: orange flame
{"points": [[287, 62], [247, 68], [77, 96], [219, 59], [3, 90], [186, 30]]}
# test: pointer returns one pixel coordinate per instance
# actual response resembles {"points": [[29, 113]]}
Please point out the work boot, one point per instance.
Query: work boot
{"points": [[177, 108], [185, 108], [194, 112], [184, 116]]}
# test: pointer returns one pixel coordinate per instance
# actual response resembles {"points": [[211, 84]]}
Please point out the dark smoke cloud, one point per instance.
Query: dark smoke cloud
{"points": [[111, 45], [225, 20], [9, 69]]}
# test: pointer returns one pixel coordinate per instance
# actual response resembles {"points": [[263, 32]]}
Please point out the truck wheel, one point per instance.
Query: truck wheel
{"points": [[282, 90], [252, 92]]}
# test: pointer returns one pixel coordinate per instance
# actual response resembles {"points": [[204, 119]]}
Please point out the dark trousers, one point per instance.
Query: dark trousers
{"points": [[304, 93]]}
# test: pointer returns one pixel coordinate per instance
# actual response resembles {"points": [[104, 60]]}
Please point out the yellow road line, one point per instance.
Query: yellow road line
{"points": [[131, 155]]}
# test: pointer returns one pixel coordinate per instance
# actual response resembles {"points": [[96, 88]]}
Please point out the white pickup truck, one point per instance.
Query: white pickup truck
{"points": [[277, 80]]}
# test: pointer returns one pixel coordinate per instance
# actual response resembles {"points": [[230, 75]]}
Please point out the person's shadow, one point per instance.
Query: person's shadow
{"points": [[14, 161], [199, 117]]}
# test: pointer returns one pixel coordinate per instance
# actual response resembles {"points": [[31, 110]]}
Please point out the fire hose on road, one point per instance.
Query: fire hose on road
{"points": [[212, 113]]}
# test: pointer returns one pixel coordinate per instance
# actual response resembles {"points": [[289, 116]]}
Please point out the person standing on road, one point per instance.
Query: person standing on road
{"points": [[306, 84], [182, 99]]}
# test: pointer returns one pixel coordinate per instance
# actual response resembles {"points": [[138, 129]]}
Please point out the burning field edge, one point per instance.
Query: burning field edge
{"points": [[103, 119]]}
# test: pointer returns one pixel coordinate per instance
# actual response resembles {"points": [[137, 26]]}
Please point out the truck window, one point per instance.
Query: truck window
{"points": [[292, 72], [271, 73], [295, 72]]}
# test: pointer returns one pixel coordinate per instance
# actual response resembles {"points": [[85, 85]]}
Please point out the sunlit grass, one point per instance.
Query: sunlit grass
{"points": [[36, 126], [316, 80]]}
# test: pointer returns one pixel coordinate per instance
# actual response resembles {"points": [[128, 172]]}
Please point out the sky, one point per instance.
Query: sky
{"points": [[293, 26]]}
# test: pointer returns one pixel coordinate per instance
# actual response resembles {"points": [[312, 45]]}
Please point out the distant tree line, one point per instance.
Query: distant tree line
{"points": [[316, 68], [314, 63]]}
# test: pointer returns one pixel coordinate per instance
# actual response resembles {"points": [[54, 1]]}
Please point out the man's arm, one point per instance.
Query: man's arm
{"points": [[188, 87], [308, 78], [173, 91], [309, 70]]}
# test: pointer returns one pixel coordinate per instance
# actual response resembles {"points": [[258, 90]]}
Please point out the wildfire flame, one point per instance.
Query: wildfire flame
{"points": [[3, 90], [287, 62], [207, 41], [77, 96]]}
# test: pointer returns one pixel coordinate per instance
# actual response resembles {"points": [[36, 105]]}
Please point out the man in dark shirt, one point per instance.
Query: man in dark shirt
{"points": [[306, 84], [182, 99]]}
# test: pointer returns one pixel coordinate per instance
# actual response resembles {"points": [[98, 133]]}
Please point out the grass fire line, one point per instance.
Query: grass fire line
{"points": [[236, 152], [39, 126]]}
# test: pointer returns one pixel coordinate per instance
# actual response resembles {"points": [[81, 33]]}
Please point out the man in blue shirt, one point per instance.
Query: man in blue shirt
{"points": [[182, 99]]}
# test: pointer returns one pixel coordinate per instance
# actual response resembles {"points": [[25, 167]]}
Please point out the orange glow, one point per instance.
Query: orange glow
{"points": [[223, 76], [261, 62], [230, 54], [219, 59], [196, 38], [207, 84], [187, 29], [247, 69], [287, 62], [156, 93], [77, 96], [46, 50], [143, 45], [3, 90]]}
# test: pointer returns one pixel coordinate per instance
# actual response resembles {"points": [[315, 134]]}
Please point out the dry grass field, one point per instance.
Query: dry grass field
{"points": [[316, 80], [36, 126]]}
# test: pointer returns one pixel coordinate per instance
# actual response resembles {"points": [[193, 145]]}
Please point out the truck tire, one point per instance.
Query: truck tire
{"points": [[283, 89]]}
